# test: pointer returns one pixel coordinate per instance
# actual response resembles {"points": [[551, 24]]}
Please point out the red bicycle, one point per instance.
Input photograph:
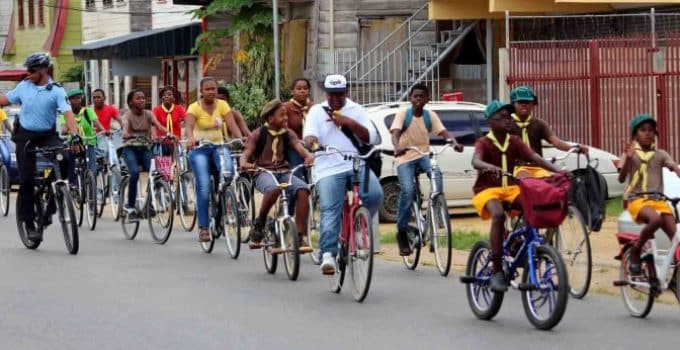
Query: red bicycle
{"points": [[355, 241]]}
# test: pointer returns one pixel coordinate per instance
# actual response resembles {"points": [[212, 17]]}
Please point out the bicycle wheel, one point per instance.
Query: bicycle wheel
{"points": [[102, 188], [67, 216], [160, 211], [638, 295], [186, 201], [208, 246], [271, 260], [243, 193], [336, 281], [415, 237], [573, 244], [91, 200], [4, 190], [291, 254], [21, 228], [314, 226], [546, 303], [80, 197], [230, 222], [483, 302], [440, 230], [113, 189], [130, 225], [360, 260]]}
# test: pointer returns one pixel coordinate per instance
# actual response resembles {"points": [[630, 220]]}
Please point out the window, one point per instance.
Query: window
{"points": [[41, 13], [120, 2], [20, 13], [89, 4], [107, 3]]}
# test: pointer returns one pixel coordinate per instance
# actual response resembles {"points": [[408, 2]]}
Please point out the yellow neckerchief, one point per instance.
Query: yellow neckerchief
{"points": [[304, 108], [504, 156], [642, 174], [275, 141], [523, 125], [79, 121], [168, 117]]}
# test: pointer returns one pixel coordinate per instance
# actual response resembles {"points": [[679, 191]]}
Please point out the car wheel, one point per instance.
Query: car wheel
{"points": [[390, 204]]}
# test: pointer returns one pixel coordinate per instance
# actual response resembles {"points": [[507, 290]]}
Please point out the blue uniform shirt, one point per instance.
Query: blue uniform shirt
{"points": [[40, 105]]}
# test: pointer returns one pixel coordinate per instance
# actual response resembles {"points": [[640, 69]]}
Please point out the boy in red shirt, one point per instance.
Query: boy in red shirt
{"points": [[104, 112]]}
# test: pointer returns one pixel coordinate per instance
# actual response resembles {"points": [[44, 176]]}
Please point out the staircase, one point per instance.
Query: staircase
{"points": [[387, 72]]}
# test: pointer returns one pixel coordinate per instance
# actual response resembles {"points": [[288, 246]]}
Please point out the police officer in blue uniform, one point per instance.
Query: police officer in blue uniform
{"points": [[41, 100]]}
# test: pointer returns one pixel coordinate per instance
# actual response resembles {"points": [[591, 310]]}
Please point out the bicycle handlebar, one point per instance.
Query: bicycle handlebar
{"points": [[432, 151], [572, 149], [349, 155], [273, 173]]}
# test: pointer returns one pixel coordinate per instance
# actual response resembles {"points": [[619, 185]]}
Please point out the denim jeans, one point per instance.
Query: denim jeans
{"points": [[200, 160], [332, 190], [407, 173], [135, 156]]}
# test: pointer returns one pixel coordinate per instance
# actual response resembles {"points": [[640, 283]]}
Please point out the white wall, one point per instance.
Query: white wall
{"points": [[166, 14], [105, 22]]}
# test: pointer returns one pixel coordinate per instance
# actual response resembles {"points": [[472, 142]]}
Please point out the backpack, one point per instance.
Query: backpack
{"points": [[589, 196], [409, 118], [375, 161], [545, 201], [262, 142]]}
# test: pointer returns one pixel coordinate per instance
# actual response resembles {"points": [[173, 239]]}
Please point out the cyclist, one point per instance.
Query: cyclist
{"points": [[411, 127], [171, 114], [4, 147], [105, 113], [137, 125], [532, 130], [41, 99], [495, 154], [297, 108], [88, 125], [205, 120], [642, 168], [332, 172], [223, 94], [268, 147], [4, 123]]}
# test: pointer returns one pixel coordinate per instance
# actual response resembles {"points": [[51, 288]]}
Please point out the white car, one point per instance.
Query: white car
{"points": [[465, 121]]}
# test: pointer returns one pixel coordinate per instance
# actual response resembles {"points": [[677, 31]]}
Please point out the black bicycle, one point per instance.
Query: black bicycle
{"points": [[51, 194]]}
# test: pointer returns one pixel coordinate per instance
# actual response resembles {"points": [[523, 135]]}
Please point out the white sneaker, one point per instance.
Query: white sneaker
{"points": [[328, 264]]}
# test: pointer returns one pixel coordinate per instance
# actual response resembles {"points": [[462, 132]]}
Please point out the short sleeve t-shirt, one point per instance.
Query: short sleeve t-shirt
{"points": [[85, 123], [489, 153], [174, 123], [139, 125], [265, 159], [40, 105], [660, 160], [538, 130], [3, 117], [415, 135], [105, 114], [204, 126]]}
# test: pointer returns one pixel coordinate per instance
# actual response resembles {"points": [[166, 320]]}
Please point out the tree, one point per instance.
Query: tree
{"points": [[74, 74]]}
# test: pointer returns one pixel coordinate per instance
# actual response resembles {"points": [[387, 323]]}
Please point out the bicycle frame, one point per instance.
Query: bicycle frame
{"points": [[434, 187], [282, 204], [349, 210]]}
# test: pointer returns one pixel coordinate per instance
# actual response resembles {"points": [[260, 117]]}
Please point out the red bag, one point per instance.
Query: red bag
{"points": [[545, 200], [164, 166]]}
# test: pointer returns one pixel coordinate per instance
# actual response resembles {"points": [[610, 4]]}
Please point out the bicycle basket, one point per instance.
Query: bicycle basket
{"points": [[545, 200], [164, 166]]}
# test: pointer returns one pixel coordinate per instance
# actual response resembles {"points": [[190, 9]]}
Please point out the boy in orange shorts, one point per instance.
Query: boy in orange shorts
{"points": [[495, 154], [642, 168]]}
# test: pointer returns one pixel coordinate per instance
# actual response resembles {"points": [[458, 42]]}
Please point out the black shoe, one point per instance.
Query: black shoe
{"points": [[47, 220], [402, 241], [255, 236], [32, 233], [634, 263], [498, 283]]}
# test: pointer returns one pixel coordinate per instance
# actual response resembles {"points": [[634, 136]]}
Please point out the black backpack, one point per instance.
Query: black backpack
{"points": [[589, 195], [262, 142], [375, 161]]}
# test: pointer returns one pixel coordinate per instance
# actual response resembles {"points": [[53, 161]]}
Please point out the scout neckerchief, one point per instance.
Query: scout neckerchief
{"points": [[642, 173], [523, 125], [168, 117], [504, 156], [276, 135], [304, 108]]}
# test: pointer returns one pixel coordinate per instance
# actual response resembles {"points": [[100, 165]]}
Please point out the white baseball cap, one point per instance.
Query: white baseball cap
{"points": [[335, 83]]}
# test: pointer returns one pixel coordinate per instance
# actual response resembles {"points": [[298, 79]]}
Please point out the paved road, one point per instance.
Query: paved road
{"points": [[118, 294]]}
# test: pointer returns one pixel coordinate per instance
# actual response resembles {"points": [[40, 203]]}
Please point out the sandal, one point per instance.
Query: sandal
{"points": [[204, 235]]}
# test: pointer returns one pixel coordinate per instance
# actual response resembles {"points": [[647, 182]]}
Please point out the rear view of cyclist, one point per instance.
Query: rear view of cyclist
{"points": [[41, 100]]}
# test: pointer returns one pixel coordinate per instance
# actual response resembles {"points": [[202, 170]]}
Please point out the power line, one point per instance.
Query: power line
{"points": [[107, 11]]}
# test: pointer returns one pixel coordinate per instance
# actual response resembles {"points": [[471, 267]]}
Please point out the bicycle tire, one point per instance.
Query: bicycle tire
{"points": [[337, 280], [80, 199], [160, 210], [480, 254], [645, 299], [562, 289], [230, 222], [186, 201], [207, 247], [314, 226], [441, 241], [570, 248], [67, 216], [362, 234], [4, 190], [91, 200], [113, 191], [102, 189], [130, 227], [414, 237], [243, 192], [271, 260], [23, 232], [291, 255]]}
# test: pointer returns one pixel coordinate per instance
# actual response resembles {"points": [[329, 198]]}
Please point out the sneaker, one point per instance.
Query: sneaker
{"points": [[328, 264], [255, 236], [402, 241], [498, 283], [130, 212], [31, 233], [304, 246], [634, 263]]}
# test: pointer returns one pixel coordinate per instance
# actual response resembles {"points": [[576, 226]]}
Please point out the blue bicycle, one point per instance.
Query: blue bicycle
{"points": [[544, 284]]}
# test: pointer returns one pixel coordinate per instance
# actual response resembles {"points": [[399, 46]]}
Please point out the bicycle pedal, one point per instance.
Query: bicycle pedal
{"points": [[277, 251], [527, 287], [620, 283], [468, 279]]}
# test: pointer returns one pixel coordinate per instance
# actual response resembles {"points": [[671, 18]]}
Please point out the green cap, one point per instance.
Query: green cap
{"points": [[522, 93], [639, 119], [74, 92], [494, 106]]}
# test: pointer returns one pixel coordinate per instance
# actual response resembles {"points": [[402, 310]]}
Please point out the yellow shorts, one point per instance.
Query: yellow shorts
{"points": [[508, 194], [532, 171], [636, 205]]}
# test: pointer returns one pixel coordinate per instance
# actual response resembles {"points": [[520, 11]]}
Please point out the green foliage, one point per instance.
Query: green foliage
{"points": [[74, 74], [614, 207], [248, 99], [464, 240]]}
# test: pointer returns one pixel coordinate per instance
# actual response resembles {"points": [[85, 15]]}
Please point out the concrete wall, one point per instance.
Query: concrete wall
{"points": [[165, 14]]}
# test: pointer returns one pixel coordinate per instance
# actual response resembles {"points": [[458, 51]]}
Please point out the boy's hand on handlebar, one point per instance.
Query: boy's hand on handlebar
{"points": [[247, 166], [583, 149], [309, 161], [191, 142], [494, 170], [400, 151]]}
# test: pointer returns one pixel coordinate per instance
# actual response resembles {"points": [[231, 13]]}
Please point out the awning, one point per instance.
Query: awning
{"points": [[163, 42], [12, 74]]}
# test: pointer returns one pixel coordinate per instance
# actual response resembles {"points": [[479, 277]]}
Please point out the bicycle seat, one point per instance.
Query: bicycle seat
{"points": [[624, 237]]}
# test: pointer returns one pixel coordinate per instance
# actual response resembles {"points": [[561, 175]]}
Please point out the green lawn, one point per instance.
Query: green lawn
{"points": [[462, 240], [615, 207]]}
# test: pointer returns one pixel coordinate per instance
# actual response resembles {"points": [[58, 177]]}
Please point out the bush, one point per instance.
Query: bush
{"points": [[249, 100]]}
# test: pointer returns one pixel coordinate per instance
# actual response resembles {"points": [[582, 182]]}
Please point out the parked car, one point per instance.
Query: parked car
{"points": [[465, 121], [12, 113]]}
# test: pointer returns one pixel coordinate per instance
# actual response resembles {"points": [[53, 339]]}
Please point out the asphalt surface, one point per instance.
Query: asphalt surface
{"points": [[119, 294]]}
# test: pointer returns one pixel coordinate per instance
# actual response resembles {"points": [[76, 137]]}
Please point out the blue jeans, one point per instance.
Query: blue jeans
{"points": [[200, 160], [407, 173], [135, 156], [332, 191]]}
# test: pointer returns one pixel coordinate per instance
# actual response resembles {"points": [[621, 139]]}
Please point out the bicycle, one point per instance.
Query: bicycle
{"points": [[86, 187], [156, 206], [313, 221], [243, 187], [109, 175], [544, 278], [281, 236], [5, 185], [639, 292], [184, 190], [355, 239], [51, 190], [223, 207], [421, 230]]}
